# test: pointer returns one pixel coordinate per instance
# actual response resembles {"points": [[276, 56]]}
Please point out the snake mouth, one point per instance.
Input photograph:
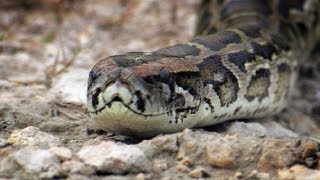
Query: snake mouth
{"points": [[127, 107], [121, 93]]}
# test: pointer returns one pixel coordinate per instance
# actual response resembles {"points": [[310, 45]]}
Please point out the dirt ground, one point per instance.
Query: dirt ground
{"points": [[46, 53]]}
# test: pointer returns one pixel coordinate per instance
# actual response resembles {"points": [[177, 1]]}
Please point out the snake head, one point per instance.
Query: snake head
{"points": [[127, 98]]}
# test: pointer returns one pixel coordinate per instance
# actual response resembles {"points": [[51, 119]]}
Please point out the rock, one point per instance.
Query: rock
{"points": [[111, 157], [238, 175], [276, 130], [223, 152], [261, 129], [78, 177], [182, 168], [32, 162], [159, 145], [159, 165], [56, 124], [245, 128], [62, 153], [299, 172], [76, 167], [276, 154], [300, 123], [192, 146], [198, 172], [34, 137], [140, 176], [71, 86], [258, 175], [3, 142]]}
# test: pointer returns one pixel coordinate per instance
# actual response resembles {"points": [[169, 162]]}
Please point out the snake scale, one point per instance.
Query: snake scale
{"points": [[242, 64]]}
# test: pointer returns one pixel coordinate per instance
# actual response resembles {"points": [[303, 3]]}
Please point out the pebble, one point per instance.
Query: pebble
{"points": [[298, 172], [251, 129], [62, 153], [159, 165], [261, 129], [111, 157], [198, 172], [222, 152], [78, 177], [31, 161], [140, 176], [71, 86], [182, 168], [76, 167], [32, 136], [276, 153], [3, 142], [259, 175]]}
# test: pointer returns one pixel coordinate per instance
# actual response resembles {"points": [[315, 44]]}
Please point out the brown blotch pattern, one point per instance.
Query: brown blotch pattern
{"points": [[240, 58], [226, 85], [138, 58], [258, 86], [283, 83], [227, 91], [179, 50], [264, 51], [232, 8], [219, 41]]}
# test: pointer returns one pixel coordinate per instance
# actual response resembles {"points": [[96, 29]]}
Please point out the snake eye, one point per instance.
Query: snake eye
{"points": [[94, 97]]}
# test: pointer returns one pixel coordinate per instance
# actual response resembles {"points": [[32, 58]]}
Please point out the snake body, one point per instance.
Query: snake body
{"points": [[242, 64]]}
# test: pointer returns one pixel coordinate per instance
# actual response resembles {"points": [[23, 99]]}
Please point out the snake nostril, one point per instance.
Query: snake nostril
{"points": [[94, 97], [116, 98]]}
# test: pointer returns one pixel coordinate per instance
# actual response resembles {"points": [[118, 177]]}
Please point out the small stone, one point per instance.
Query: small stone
{"points": [[276, 130], [34, 137], [197, 173], [62, 153], [186, 161], [3, 142], [159, 165], [71, 85], [111, 157], [238, 175], [276, 153], [259, 175], [310, 161], [298, 172], [263, 175], [159, 144], [140, 176], [245, 128], [33, 161], [222, 152], [56, 124], [76, 167], [182, 168], [78, 177], [310, 149]]}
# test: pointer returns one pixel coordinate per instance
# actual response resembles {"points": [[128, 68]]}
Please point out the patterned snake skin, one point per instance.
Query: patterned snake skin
{"points": [[242, 64]]}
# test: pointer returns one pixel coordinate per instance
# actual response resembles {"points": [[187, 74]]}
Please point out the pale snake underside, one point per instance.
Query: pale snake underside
{"points": [[242, 64]]}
